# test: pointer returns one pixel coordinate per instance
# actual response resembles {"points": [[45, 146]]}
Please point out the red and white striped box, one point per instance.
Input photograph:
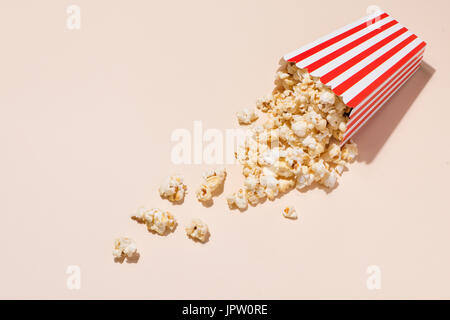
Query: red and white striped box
{"points": [[364, 63]]}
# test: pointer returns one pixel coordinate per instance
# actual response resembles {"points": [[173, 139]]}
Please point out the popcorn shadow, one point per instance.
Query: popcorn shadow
{"points": [[378, 129], [176, 203], [219, 190], [207, 204], [133, 259]]}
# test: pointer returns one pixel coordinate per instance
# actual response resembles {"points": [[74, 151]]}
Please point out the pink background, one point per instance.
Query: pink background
{"points": [[85, 138]]}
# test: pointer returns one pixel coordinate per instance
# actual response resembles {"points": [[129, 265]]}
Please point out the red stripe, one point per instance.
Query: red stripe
{"points": [[351, 62], [335, 39], [364, 93], [348, 47], [386, 88], [398, 76], [344, 86], [381, 103]]}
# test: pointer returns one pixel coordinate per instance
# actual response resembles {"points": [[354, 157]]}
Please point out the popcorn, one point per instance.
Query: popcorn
{"points": [[350, 151], [246, 116], [212, 180], [339, 169], [250, 183], [238, 199], [270, 183], [263, 104], [309, 142], [298, 144], [173, 188], [289, 212], [285, 185], [124, 247], [156, 220], [330, 180], [333, 150], [204, 193], [319, 170], [327, 97], [304, 179], [197, 230], [282, 169]]}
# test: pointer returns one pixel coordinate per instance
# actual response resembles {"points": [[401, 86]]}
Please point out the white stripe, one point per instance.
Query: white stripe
{"points": [[363, 63], [333, 64], [322, 53], [376, 92], [360, 123], [332, 35], [372, 76]]}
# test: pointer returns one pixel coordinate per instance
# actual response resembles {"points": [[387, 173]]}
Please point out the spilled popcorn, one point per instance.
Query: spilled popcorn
{"points": [[299, 142], [124, 247], [289, 212], [156, 220], [247, 116], [197, 230], [238, 199], [173, 188], [212, 180]]}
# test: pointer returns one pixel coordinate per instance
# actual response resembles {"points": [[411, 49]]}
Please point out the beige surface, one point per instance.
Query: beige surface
{"points": [[85, 125]]}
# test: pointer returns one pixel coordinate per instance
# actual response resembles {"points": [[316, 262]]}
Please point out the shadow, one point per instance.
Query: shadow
{"points": [[133, 259], [119, 259], [377, 130], [207, 204], [175, 203], [219, 190]]}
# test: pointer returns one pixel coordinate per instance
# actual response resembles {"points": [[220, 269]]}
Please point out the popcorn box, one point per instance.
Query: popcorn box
{"points": [[364, 63]]}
